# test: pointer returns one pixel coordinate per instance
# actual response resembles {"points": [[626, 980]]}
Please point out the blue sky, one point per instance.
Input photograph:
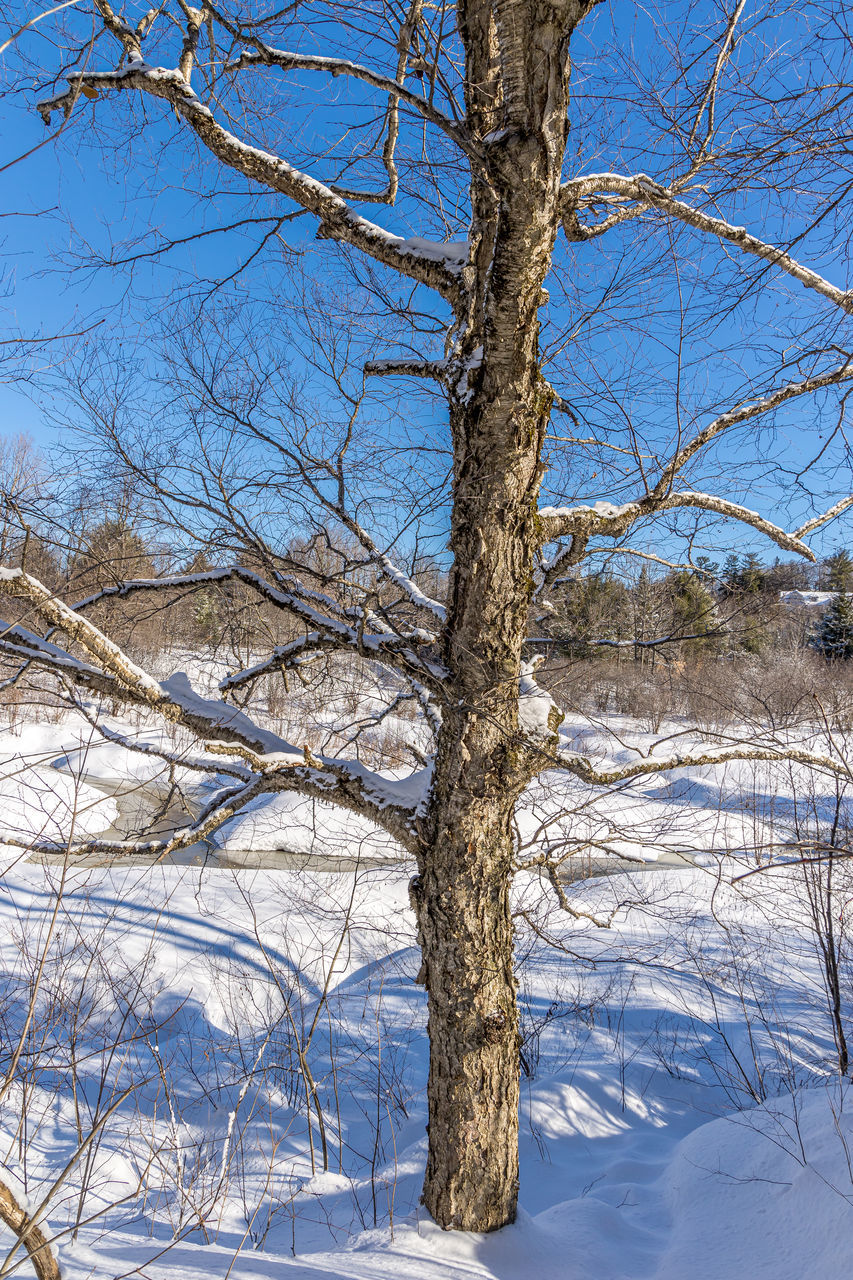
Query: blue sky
{"points": [[88, 189]]}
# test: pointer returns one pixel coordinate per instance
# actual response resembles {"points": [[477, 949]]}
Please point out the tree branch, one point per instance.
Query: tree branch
{"points": [[284, 60], [648, 193], [605, 519], [392, 805], [583, 768], [338, 628], [433, 264], [407, 368], [745, 412]]}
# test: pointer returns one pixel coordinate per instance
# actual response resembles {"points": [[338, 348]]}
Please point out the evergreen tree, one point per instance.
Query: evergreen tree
{"points": [[594, 607], [731, 572], [838, 571], [751, 574], [834, 635], [692, 605]]}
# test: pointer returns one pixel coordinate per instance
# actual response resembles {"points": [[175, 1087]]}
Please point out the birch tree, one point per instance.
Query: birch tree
{"points": [[471, 109]]}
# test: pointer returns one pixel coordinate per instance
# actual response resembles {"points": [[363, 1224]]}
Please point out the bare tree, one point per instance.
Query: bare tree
{"points": [[474, 146]]}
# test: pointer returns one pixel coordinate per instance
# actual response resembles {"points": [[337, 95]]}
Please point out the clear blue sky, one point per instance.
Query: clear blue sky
{"points": [[75, 193]]}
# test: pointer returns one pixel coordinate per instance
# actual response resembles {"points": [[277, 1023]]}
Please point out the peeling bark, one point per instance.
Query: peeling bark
{"points": [[30, 1235], [518, 75]]}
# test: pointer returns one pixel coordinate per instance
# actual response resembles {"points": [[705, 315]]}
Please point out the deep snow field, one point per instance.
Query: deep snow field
{"points": [[225, 1072]]}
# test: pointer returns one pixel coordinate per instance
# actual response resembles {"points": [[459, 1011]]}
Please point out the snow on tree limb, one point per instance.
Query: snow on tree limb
{"points": [[286, 60], [539, 717], [435, 265], [582, 767], [391, 571], [605, 520], [108, 656], [648, 193], [343, 628], [392, 806], [213, 816], [753, 409], [817, 521], [283, 657], [226, 730], [197, 764]]}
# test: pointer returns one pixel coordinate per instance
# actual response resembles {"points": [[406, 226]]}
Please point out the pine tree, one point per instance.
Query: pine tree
{"points": [[834, 635], [751, 576], [594, 607], [692, 605], [838, 571], [731, 572]]}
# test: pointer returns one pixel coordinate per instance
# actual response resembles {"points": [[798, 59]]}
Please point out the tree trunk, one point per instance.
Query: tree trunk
{"points": [[517, 71], [462, 893], [472, 1170]]}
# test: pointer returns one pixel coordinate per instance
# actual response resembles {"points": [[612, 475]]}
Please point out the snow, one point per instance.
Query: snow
{"points": [[453, 253], [414, 593], [647, 1152], [634, 1162], [807, 599], [538, 714], [606, 510], [463, 368], [223, 715], [290, 823], [38, 802], [317, 196]]}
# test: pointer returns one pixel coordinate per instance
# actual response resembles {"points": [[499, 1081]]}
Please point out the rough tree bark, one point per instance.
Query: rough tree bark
{"points": [[499, 415]]}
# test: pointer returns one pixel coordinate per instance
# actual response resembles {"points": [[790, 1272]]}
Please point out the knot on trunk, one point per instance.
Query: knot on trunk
{"points": [[415, 891], [494, 1026]]}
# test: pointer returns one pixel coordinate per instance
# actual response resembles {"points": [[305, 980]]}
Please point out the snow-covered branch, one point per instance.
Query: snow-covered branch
{"points": [[391, 571], [745, 412], [274, 763], [643, 190], [605, 520], [394, 805], [284, 657], [429, 263], [108, 656], [582, 766], [286, 60], [350, 628], [174, 759], [214, 815], [818, 521], [609, 520], [110, 670]]}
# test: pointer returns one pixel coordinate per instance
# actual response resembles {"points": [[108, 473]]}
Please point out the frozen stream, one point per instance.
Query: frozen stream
{"points": [[143, 812]]}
